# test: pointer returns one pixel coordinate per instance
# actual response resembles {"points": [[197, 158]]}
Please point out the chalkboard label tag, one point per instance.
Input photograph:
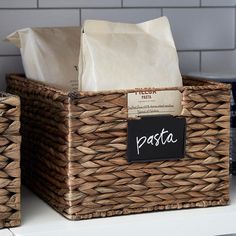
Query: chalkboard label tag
{"points": [[156, 138]]}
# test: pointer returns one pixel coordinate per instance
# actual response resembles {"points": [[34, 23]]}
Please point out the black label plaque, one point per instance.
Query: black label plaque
{"points": [[156, 138]]}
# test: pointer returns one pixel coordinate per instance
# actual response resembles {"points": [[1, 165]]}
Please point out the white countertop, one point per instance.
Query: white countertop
{"points": [[38, 219], [6, 232]]}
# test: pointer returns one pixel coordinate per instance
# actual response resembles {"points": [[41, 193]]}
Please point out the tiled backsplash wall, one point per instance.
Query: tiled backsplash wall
{"points": [[204, 30]]}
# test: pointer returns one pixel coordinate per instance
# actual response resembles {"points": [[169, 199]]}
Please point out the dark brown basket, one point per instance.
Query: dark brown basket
{"points": [[9, 160], [74, 151]]}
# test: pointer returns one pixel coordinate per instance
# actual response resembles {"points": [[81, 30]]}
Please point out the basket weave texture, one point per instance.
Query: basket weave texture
{"points": [[10, 140], [74, 151]]}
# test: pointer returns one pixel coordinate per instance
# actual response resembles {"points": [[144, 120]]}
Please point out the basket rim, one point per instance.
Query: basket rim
{"points": [[209, 84], [4, 95]]}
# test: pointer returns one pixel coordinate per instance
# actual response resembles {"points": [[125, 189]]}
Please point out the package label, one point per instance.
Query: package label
{"points": [[146, 103]]}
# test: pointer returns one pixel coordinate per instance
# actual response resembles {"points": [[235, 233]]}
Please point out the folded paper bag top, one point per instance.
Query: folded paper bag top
{"points": [[50, 54], [117, 56]]}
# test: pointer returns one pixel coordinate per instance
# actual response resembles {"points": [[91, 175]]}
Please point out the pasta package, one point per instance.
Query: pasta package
{"points": [[117, 56]]}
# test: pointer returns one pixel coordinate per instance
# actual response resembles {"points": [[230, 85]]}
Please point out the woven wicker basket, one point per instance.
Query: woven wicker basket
{"points": [[74, 152], [9, 160]]}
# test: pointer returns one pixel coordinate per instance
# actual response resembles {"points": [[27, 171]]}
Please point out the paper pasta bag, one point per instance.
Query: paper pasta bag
{"points": [[117, 56], [50, 54]]}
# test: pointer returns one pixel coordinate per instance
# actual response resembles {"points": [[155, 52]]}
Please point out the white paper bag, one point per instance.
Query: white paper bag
{"points": [[117, 56], [50, 54]]}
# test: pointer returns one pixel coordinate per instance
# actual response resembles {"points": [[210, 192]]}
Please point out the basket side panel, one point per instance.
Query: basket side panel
{"points": [[45, 139], [74, 153], [10, 140]]}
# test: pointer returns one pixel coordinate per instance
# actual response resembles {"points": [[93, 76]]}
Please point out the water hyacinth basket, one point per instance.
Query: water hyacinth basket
{"points": [[74, 151]]}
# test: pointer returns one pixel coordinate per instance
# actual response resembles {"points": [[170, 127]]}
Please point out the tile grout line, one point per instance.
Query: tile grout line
{"points": [[235, 28], [8, 55], [122, 3], [200, 61], [206, 50], [118, 7], [37, 3], [80, 16]]}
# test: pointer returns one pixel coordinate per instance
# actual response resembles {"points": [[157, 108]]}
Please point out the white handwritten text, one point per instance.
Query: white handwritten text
{"points": [[157, 139]]}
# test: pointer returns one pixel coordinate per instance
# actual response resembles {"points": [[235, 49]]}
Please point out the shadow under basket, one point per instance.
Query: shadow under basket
{"points": [[10, 140], [74, 151]]}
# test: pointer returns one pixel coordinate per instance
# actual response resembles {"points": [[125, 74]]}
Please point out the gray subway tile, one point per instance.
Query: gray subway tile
{"points": [[219, 62], [161, 3], [18, 3], [11, 20], [80, 3], [189, 62], [9, 64], [121, 15], [218, 2], [202, 28]]}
